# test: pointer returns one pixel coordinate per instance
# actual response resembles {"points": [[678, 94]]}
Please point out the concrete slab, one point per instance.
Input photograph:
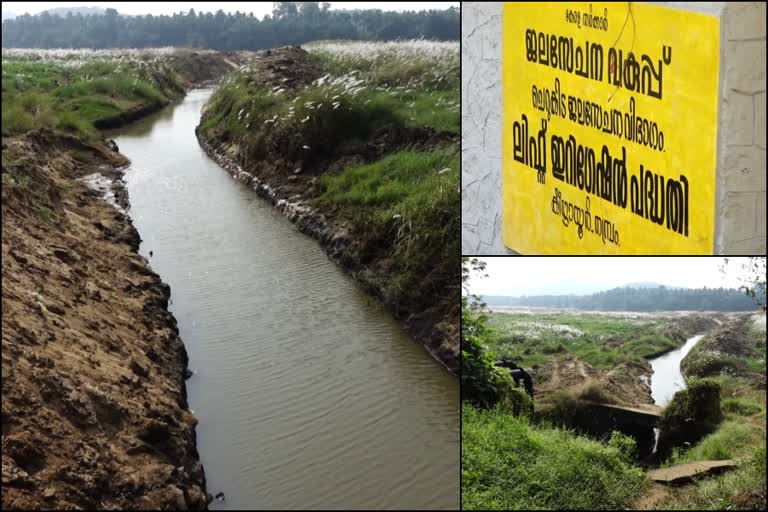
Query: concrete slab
{"points": [[685, 472]]}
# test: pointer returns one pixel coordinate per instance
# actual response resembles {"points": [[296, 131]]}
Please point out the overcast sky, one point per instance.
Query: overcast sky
{"points": [[516, 276], [257, 8]]}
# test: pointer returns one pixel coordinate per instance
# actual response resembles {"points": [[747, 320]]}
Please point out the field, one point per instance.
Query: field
{"points": [[598, 339]]}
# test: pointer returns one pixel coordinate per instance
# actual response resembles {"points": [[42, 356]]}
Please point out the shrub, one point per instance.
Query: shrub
{"points": [[625, 445], [692, 414]]}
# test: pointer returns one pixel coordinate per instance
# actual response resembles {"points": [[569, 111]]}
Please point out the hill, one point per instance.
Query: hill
{"points": [[85, 11], [638, 298]]}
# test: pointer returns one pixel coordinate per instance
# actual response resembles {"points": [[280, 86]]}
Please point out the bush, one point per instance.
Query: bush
{"points": [[625, 445], [515, 401], [692, 414]]}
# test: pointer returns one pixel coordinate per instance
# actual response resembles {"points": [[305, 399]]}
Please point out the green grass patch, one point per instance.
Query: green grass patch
{"points": [[734, 438], [507, 463], [72, 98], [741, 489], [410, 197], [603, 341]]}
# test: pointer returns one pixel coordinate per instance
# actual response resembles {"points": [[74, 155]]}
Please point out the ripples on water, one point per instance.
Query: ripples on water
{"points": [[309, 394]]}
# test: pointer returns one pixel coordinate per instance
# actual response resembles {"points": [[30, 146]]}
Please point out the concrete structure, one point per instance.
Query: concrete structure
{"points": [[686, 472], [740, 226]]}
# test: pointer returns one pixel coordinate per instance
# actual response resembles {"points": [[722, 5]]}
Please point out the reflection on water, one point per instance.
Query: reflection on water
{"points": [[309, 394]]}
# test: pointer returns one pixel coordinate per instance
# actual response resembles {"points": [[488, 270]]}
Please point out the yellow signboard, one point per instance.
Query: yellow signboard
{"points": [[610, 128]]}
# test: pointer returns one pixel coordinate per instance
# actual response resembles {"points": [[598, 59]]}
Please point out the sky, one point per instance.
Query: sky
{"points": [[258, 8], [515, 276]]}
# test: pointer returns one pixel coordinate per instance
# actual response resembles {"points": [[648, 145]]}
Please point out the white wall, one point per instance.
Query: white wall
{"points": [[741, 165]]}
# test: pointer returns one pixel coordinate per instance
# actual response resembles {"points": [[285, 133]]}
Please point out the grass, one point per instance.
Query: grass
{"points": [[603, 341], [596, 392], [741, 489], [410, 198], [509, 463], [60, 95], [741, 436]]}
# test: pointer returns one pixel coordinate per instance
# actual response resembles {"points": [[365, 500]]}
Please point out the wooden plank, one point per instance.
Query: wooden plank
{"points": [[687, 471]]}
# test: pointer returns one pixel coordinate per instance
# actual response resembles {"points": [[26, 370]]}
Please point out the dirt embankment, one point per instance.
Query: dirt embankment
{"points": [[94, 407], [94, 410], [433, 319], [727, 349], [626, 383], [621, 384]]}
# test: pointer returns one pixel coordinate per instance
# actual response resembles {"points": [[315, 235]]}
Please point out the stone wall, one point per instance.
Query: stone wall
{"points": [[741, 170]]}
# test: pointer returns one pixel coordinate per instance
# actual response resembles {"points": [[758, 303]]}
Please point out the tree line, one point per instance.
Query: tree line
{"points": [[291, 23], [660, 298]]}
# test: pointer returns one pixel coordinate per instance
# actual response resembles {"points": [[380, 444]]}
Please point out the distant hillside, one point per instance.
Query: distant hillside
{"points": [[643, 284], [638, 298], [8, 15], [85, 11]]}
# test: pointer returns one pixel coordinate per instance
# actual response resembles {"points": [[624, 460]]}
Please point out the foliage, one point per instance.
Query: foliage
{"points": [[404, 203], [404, 198], [625, 445], [753, 272], [742, 489], [596, 392], [482, 382], [728, 441], [693, 413], [508, 463], [660, 298], [287, 26]]}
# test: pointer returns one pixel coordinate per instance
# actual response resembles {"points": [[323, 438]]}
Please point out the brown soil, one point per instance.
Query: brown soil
{"points": [[289, 67], [431, 317], [196, 68], [94, 411], [652, 498], [621, 385]]}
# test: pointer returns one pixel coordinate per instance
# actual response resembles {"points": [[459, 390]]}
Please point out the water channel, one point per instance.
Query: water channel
{"points": [[667, 379], [309, 394]]}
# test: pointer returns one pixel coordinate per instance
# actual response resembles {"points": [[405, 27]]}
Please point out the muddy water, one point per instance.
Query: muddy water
{"points": [[667, 378], [309, 394]]}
